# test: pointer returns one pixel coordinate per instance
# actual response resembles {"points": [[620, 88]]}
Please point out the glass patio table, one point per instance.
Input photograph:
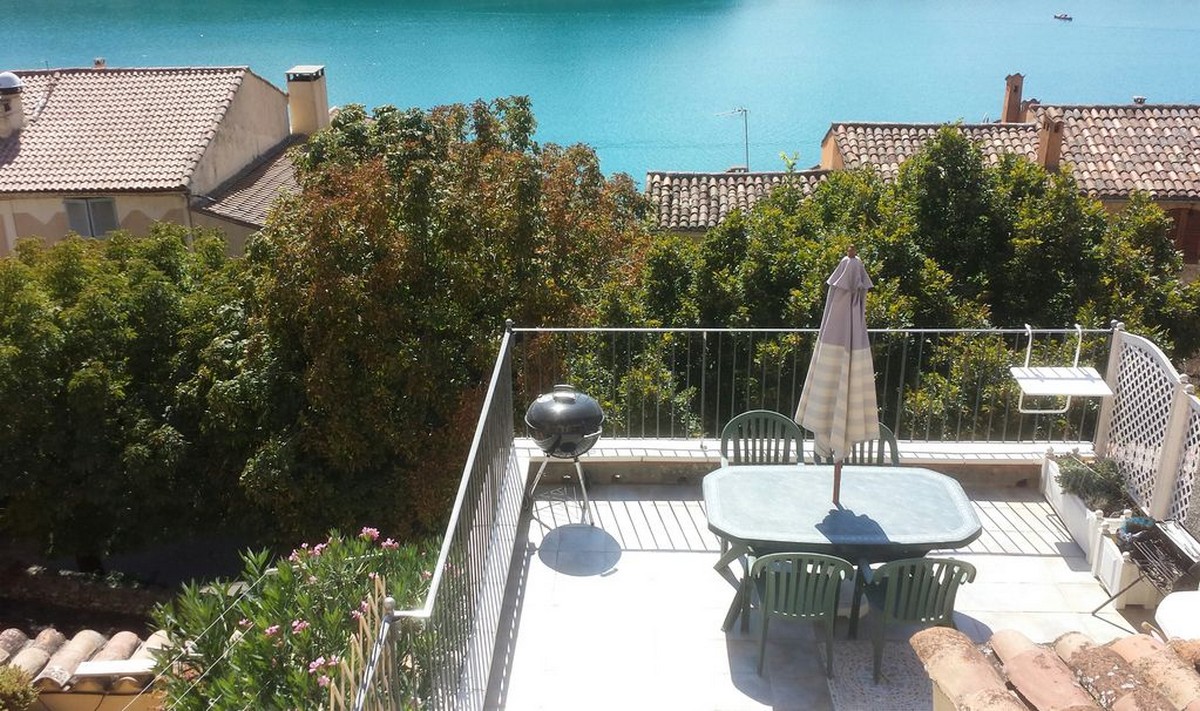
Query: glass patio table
{"points": [[886, 513]]}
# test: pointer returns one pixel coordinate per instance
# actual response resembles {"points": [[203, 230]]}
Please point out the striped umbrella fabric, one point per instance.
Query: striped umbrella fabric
{"points": [[838, 402]]}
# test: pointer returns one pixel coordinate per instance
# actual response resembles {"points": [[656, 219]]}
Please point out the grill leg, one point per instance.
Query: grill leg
{"points": [[536, 479], [587, 511], [1119, 593]]}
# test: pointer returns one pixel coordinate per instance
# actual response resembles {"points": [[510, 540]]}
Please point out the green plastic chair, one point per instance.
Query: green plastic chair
{"points": [[880, 452], [913, 590], [761, 437], [799, 586]]}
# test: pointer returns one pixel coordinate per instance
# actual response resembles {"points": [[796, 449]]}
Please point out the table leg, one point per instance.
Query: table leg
{"points": [[735, 608], [736, 550]]}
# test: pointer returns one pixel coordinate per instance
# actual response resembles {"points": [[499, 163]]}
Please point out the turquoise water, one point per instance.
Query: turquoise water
{"points": [[649, 84]]}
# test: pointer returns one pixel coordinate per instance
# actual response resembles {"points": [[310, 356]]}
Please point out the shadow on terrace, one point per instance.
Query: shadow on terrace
{"points": [[530, 608]]}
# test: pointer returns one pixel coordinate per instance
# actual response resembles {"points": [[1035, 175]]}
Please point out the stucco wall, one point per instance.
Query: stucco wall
{"points": [[236, 234], [46, 217], [256, 121]]}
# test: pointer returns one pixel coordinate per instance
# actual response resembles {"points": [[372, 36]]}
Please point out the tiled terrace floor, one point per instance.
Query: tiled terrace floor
{"points": [[627, 616]]}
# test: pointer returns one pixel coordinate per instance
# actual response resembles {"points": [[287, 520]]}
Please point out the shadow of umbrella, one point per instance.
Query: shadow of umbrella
{"points": [[579, 549], [858, 529]]}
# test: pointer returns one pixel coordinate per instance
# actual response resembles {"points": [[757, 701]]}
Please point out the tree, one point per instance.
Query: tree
{"points": [[380, 290], [96, 340]]}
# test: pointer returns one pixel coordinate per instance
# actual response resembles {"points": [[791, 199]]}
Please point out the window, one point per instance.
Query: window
{"points": [[91, 217]]}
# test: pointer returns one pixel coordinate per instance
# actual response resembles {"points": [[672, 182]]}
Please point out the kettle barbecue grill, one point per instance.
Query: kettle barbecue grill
{"points": [[565, 423]]}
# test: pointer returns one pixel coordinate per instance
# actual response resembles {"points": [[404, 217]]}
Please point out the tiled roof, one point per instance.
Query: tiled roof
{"points": [[699, 201], [249, 195], [1012, 673], [1114, 150], [887, 145], [88, 662], [114, 129]]}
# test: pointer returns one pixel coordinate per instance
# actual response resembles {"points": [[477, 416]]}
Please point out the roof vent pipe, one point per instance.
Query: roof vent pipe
{"points": [[99, 63], [1139, 100]]}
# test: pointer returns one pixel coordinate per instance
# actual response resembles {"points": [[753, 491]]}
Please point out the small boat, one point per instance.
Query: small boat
{"points": [[1063, 16]]}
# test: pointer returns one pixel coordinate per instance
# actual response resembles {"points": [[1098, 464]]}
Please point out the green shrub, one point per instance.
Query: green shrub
{"points": [[275, 640], [16, 689], [1100, 484]]}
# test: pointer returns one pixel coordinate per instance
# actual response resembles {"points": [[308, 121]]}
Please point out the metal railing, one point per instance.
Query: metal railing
{"points": [[441, 653], [932, 384]]}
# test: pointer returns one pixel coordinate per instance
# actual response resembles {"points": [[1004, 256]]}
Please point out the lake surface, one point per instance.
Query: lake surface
{"points": [[650, 84]]}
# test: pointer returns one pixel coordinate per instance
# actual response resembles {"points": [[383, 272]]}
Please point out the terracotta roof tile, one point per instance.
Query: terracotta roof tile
{"points": [[114, 129], [88, 662], [1071, 673], [1114, 150], [699, 201], [249, 195], [887, 145]]}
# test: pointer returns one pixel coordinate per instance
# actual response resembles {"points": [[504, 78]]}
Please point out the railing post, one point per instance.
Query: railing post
{"points": [[1166, 470], [703, 376], [1104, 422]]}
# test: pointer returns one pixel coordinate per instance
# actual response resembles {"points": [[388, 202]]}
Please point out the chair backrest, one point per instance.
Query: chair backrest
{"points": [[800, 585], [761, 437], [881, 452], [921, 589]]}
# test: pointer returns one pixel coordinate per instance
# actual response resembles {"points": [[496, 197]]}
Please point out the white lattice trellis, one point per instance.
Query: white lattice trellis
{"points": [[1141, 407], [1183, 507]]}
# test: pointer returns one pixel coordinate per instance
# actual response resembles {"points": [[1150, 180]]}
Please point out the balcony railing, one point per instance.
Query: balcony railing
{"points": [[932, 384]]}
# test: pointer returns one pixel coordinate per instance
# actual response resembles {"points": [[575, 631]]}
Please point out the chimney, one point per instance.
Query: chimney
{"points": [[1050, 140], [1029, 109], [308, 103], [12, 109], [1011, 111], [99, 63]]}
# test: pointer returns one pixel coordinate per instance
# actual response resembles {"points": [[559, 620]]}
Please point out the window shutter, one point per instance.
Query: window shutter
{"points": [[104, 216], [77, 217]]}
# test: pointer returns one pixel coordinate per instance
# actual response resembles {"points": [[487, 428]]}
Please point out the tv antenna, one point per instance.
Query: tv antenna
{"points": [[745, 112]]}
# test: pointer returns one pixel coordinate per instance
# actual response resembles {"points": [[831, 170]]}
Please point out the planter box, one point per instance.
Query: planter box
{"points": [[1114, 570], [1089, 530]]}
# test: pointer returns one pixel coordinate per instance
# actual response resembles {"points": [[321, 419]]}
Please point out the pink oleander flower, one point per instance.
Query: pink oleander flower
{"points": [[426, 574], [318, 548], [245, 624], [315, 665], [369, 533], [389, 544], [299, 626], [323, 681], [372, 575], [356, 614], [271, 631], [364, 605]]}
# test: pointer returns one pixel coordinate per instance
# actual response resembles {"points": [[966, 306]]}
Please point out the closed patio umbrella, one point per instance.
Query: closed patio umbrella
{"points": [[838, 401]]}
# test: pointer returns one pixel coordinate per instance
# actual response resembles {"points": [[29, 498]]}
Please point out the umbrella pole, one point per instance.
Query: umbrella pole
{"points": [[837, 483]]}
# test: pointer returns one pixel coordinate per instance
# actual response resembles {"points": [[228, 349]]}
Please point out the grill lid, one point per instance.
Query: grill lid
{"points": [[565, 410]]}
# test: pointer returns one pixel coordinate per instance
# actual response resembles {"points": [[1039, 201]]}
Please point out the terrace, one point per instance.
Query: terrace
{"points": [[530, 609]]}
